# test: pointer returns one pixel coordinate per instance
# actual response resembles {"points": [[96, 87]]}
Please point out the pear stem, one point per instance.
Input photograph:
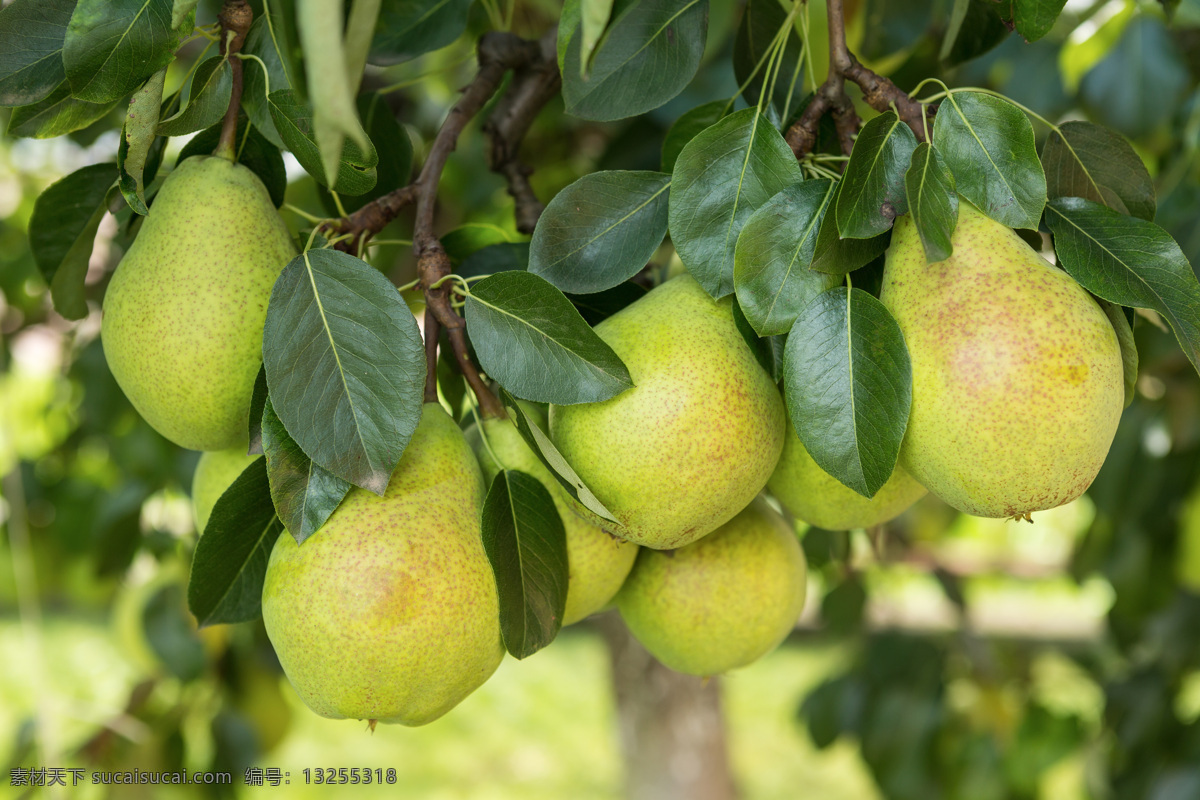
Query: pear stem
{"points": [[235, 18]]}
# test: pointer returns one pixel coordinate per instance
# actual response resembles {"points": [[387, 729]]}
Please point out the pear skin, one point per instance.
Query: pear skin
{"points": [[722, 602], [389, 612], [598, 562], [184, 313], [1017, 377], [813, 495], [696, 437], [215, 472]]}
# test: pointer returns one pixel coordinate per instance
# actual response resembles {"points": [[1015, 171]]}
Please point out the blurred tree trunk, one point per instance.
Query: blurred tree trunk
{"points": [[671, 726]]}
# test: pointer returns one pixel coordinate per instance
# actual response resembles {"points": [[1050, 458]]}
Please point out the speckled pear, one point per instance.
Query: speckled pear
{"points": [[814, 496], [389, 612], [722, 602], [697, 436], [598, 563], [1017, 378], [184, 313], [215, 472]]}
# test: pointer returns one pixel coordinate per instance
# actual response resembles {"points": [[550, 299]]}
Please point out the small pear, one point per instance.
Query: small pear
{"points": [[389, 612], [215, 472], [813, 495], [722, 602], [697, 436], [1017, 378], [598, 563], [184, 313]]}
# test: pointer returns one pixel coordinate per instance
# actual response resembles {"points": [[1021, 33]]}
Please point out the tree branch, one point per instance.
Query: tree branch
{"points": [[235, 18]]}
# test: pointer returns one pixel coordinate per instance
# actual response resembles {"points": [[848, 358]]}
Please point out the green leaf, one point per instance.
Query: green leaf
{"points": [[494, 258], [848, 384], [686, 128], [395, 155], [932, 201], [112, 46], [724, 175], [975, 27], [601, 230], [61, 231], [1035, 18], [532, 341], [836, 255], [56, 115], [180, 11], [568, 26], [872, 192], [987, 143], [553, 460], [1130, 262], [293, 120], [254, 152], [527, 547], [1086, 160], [171, 636], [208, 99], [265, 41], [304, 493], [648, 55], [230, 561], [761, 21], [31, 43], [593, 17], [408, 28], [345, 365], [768, 350], [258, 404], [773, 254], [360, 30], [137, 137], [465, 240], [599, 306], [1129, 353]]}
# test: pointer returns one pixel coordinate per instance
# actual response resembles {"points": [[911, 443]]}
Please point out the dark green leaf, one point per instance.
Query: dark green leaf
{"points": [[391, 143], [599, 306], [495, 258], [264, 40], [345, 365], [62, 229], [1085, 160], [601, 230], [117, 530], [975, 27], [112, 46], [872, 192], [724, 175], [180, 9], [684, 129], [768, 350], [207, 101], [304, 493], [31, 43], [231, 557], [531, 340], [472, 237], [761, 21], [1129, 353], [408, 28], [171, 636], [771, 264], [137, 139], [56, 115], [254, 152], [527, 547], [1035, 18], [1130, 262], [294, 121], [258, 403], [987, 143], [648, 55], [848, 384], [836, 255], [932, 201]]}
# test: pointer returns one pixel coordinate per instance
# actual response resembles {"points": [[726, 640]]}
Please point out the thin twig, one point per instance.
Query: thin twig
{"points": [[235, 18]]}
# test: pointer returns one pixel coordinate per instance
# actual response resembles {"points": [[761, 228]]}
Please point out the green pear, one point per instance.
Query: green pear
{"points": [[1017, 378], [184, 313], [697, 436], [598, 563], [215, 472], [722, 602], [813, 495], [389, 612]]}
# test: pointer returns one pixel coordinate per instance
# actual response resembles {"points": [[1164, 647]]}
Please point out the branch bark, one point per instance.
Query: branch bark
{"points": [[235, 18]]}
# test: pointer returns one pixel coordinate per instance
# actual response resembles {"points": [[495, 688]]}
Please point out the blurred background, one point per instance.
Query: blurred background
{"points": [[944, 657]]}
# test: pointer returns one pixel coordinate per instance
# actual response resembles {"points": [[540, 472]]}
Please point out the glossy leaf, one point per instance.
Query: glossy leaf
{"points": [[1130, 262], [57, 114], [408, 28], [988, 145], [1035, 18], [137, 137], [527, 547], [345, 365], [768, 350], [724, 175], [266, 42], [872, 191], [848, 384], [31, 43], [1086, 160], [258, 403], [599, 306], [112, 46], [687, 127], [601, 230], [932, 201], [207, 101], [531, 339], [836, 255], [294, 122]]}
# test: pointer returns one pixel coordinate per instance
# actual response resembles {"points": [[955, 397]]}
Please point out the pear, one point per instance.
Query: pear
{"points": [[816, 497], [215, 472], [697, 436], [389, 612], [722, 602], [184, 313], [1017, 378], [598, 563]]}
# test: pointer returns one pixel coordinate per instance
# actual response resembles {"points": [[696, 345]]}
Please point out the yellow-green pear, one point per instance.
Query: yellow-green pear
{"points": [[184, 313], [722, 602], [697, 436], [598, 563], [1017, 378], [389, 612], [814, 496], [215, 472]]}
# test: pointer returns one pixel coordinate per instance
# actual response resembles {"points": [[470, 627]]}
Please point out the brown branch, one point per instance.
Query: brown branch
{"points": [[235, 18]]}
